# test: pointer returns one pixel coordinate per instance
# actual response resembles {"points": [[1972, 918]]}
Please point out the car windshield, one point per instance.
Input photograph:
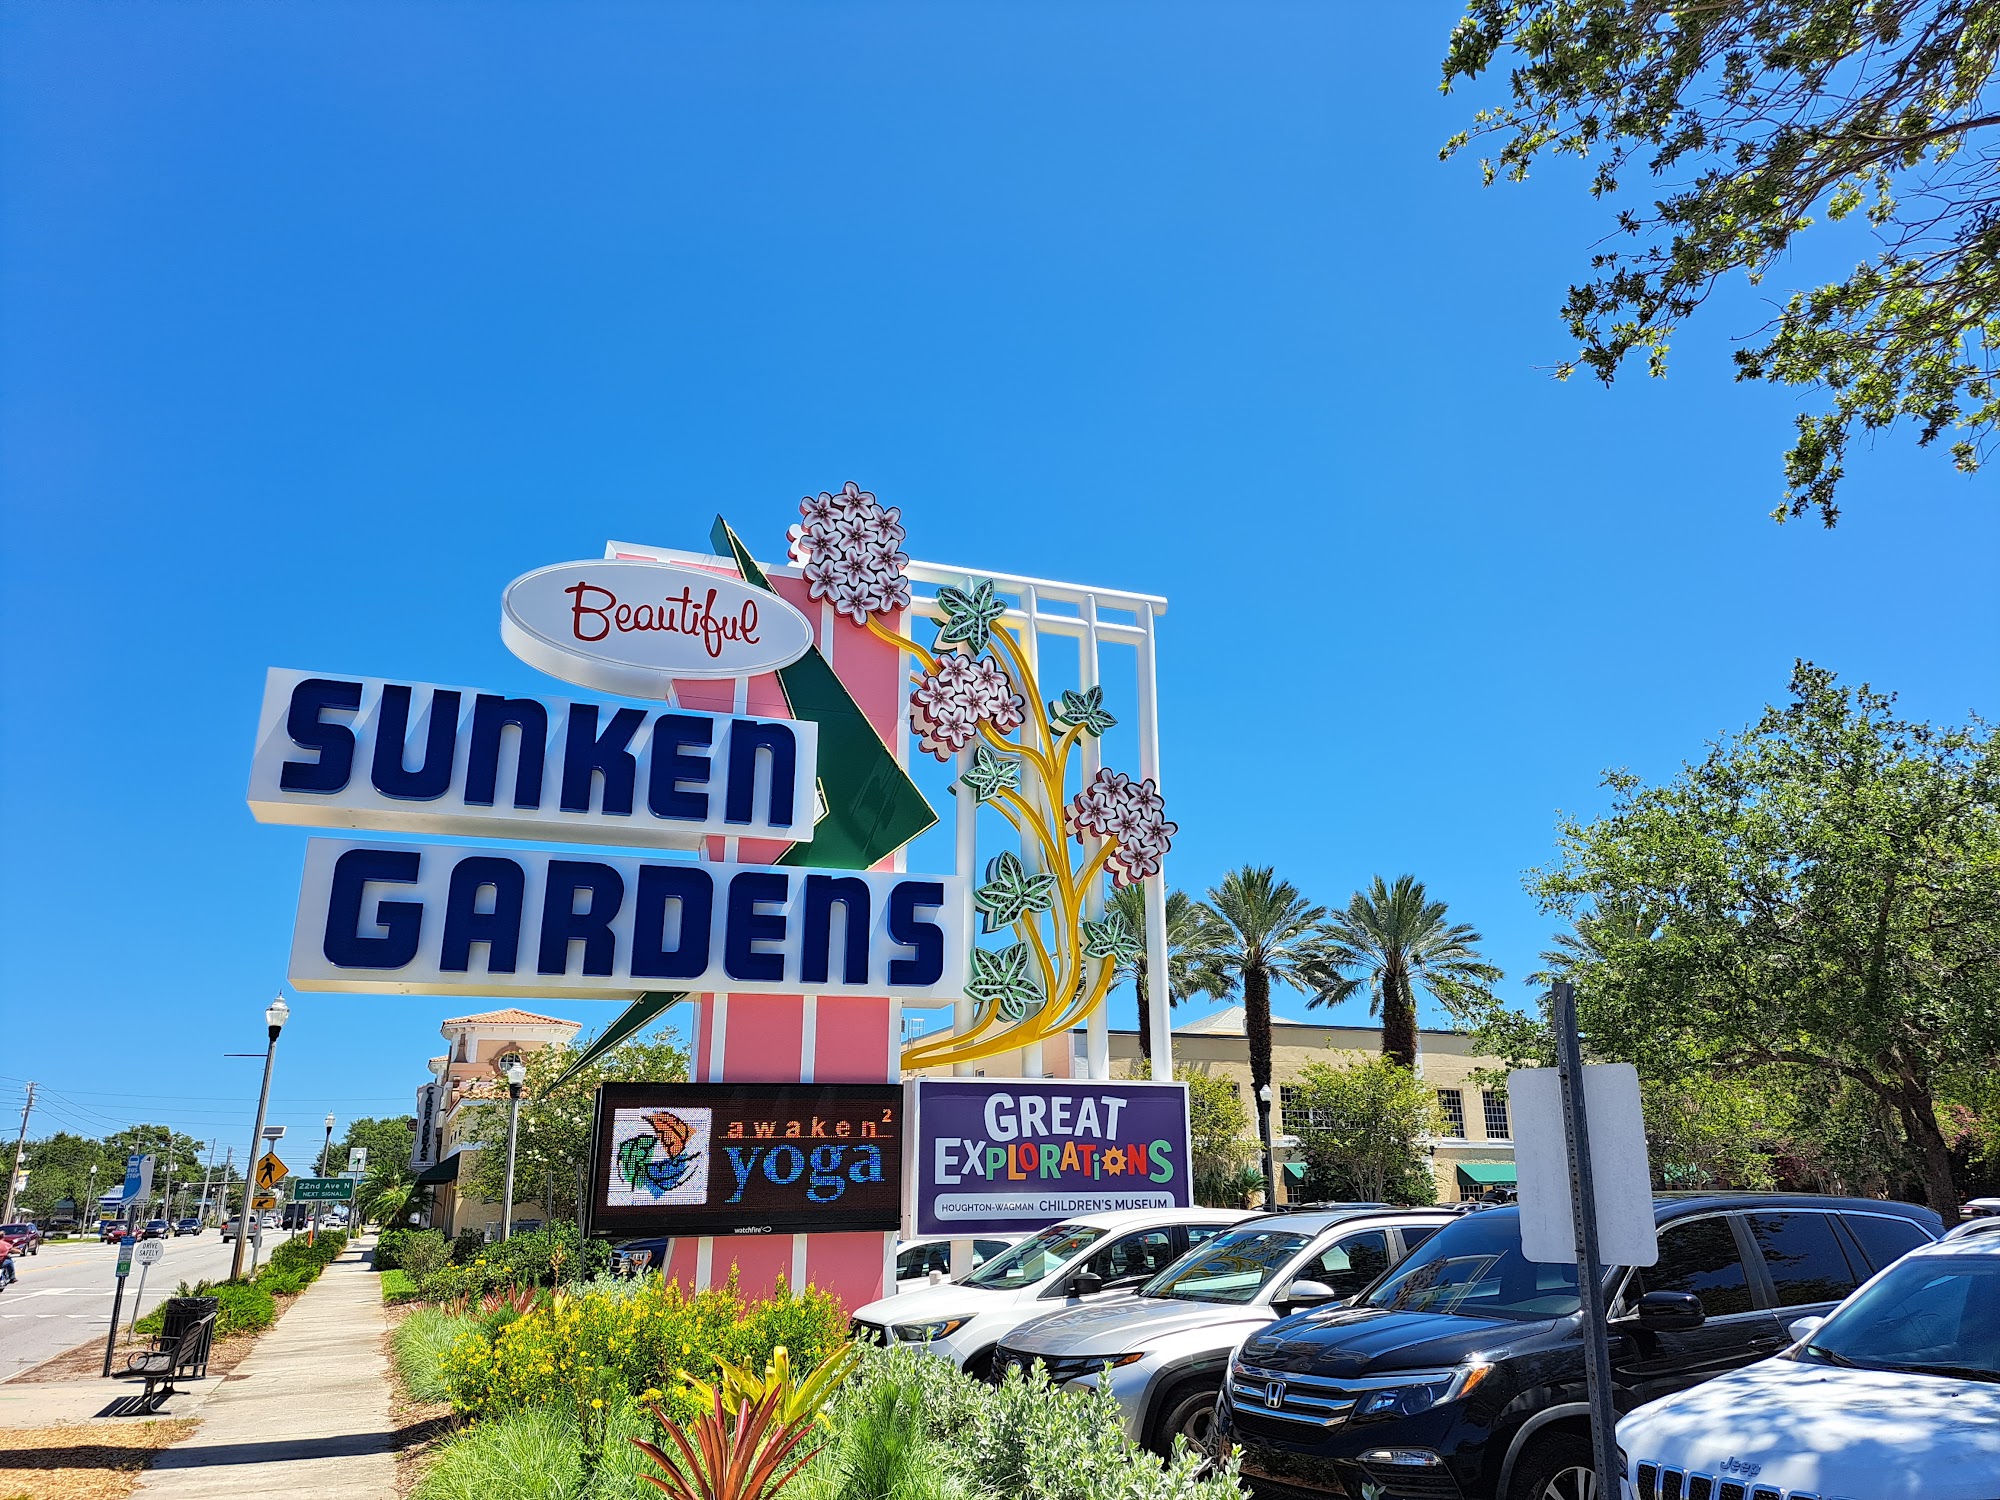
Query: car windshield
{"points": [[1232, 1267], [1475, 1269], [1033, 1259], [1928, 1315]]}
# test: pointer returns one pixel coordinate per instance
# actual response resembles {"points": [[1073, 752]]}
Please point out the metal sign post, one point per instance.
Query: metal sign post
{"points": [[1589, 1271], [149, 1254], [117, 1301]]}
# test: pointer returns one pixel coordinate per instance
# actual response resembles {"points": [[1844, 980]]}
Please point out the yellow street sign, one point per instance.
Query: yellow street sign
{"points": [[263, 1201], [271, 1171]]}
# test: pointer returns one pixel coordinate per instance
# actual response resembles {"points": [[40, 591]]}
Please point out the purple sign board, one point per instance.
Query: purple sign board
{"points": [[993, 1155]]}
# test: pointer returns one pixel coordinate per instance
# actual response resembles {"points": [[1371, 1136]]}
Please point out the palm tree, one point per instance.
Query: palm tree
{"points": [[1192, 930], [384, 1194], [1269, 934], [1617, 923], [1390, 938]]}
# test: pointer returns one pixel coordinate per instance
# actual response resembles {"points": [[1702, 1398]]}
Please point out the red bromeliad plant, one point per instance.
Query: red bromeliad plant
{"points": [[731, 1456]]}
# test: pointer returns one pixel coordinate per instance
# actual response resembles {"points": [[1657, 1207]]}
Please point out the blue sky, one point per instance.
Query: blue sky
{"points": [[323, 322]]}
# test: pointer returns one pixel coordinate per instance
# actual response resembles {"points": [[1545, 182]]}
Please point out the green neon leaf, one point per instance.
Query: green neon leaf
{"points": [[989, 773], [1084, 710], [969, 615], [1113, 938], [1011, 892], [1000, 978]]}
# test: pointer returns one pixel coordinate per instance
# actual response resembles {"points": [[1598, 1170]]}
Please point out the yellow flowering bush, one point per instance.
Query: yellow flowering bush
{"points": [[616, 1344]]}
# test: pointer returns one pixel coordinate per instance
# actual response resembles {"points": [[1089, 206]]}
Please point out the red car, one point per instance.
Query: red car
{"points": [[26, 1237], [111, 1231]]}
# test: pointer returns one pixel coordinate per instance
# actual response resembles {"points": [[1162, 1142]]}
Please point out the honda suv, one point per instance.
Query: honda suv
{"points": [[1166, 1347], [1460, 1373]]}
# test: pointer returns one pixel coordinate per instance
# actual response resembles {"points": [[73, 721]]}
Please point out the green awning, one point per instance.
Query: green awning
{"points": [[1486, 1173], [444, 1171], [1295, 1171]]}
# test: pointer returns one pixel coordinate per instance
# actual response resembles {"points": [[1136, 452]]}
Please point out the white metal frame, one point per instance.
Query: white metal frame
{"points": [[1091, 632]]}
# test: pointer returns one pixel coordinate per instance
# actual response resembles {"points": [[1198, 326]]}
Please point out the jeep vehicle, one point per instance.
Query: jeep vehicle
{"points": [[1460, 1373]]}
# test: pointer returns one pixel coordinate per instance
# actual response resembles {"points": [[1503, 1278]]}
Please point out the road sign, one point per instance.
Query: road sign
{"points": [[124, 1260], [150, 1252], [357, 1161], [1621, 1177], [138, 1177], [322, 1190], [264, 1201], [271, 1171]]}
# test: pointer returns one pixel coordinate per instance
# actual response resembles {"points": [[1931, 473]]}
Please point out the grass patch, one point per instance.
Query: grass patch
{"points": [[398, 1285], [537, 1454], [79, 1461], [419, 1345]]}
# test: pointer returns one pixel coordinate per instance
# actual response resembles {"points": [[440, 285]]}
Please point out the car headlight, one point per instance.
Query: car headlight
{"points": [[1417, 1391], [923, 1333]]}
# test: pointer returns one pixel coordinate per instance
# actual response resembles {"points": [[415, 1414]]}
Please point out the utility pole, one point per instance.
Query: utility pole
{"points": [[20, 1141], [207, 1173]]}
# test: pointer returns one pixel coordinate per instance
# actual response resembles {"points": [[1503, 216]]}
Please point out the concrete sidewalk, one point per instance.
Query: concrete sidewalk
{"points": [[307, 1413]]}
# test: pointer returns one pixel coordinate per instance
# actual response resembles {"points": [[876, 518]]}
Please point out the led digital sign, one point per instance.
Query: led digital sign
{"points": [[745, 1158]]}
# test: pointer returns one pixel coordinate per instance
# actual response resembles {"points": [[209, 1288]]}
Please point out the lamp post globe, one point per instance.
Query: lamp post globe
{"points": [[517, 1074]]}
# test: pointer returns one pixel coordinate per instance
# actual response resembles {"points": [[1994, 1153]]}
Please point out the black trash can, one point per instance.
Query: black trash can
{"points": [[178, 1313]]}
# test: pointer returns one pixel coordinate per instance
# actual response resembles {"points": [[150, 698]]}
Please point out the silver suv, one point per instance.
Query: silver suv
{"points": [[1168, 1344]]}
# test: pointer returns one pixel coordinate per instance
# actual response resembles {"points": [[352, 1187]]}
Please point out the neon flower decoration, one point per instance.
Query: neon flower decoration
{"points": [[955, 696], [976, 689], [1133, 814], [851, 551]]}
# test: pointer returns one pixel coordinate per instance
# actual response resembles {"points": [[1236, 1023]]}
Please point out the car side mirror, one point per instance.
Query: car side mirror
{"points": [[1671, 1312], [1303, 1293], [1802, 1329], [1085, 1284]]}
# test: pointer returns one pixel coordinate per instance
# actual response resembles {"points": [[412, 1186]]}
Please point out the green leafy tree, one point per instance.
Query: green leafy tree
{"points": [[1828, 888], [1389, 940], [554, 1134], [1192, 931], [385, 1193], [59, 1173], [1754, 119], [384, 1139], [1270, 935], [1364, 1129], [1219, 1138]]}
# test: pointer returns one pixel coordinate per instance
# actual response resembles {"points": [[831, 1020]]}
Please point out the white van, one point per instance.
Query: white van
{"points": [[1892, 1396], [1065, 1265]]}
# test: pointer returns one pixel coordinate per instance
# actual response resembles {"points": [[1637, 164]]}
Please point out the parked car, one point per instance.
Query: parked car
{"points": [[917, 1258], [1090, 1256], [1462, 1370], [1894, 1396], [26, 1237], [1971, 1227], [186, 1226], [1981, 1208], [1168, 1345]]}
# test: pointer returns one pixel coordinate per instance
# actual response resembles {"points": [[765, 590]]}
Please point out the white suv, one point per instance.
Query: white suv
{"points": [[1894, 1395], [1079, 1260]]}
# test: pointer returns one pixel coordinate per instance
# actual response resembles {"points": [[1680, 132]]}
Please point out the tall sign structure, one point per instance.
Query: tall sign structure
{"points": [[765, 798]]}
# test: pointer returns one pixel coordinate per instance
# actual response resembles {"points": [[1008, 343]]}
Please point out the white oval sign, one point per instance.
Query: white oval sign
{"points": [[151, 1252], [631, 627]]}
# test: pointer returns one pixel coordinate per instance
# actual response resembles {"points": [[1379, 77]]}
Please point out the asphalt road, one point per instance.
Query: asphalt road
{"points": [[64, 1294]]}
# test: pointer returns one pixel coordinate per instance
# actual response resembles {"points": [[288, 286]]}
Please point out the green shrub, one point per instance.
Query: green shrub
{"points": [[281, 1283], [1023, 1437], [398, 1287], [419, 1345], [296, 1254], [389, 1248], [631, 1338], [423, 1252], [243, 1307], [540, 1455], [468, 1247], [449, 1283]]}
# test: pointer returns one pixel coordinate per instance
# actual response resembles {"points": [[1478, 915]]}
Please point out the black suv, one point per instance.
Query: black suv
{"points": [[1460, 1372]]}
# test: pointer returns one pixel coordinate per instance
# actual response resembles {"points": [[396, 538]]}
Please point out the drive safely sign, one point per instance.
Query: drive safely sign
{"points": [[999, 1156]]}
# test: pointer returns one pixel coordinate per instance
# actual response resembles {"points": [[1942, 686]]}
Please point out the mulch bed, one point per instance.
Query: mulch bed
{"points": [[83, 1460]]}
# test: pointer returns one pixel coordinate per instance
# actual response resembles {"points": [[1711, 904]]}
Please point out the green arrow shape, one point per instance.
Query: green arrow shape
{"points": [[646, 1008], [873, 808]]}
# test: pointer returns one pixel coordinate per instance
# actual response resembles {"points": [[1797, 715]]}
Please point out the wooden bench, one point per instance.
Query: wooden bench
{"points": [[161, 1363]]}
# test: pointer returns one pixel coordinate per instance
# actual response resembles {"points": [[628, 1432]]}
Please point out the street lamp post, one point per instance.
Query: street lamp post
{"points": [[96, 1208], [274, 1022], [325, 1169], [517, 1074], [1264, 1135]]}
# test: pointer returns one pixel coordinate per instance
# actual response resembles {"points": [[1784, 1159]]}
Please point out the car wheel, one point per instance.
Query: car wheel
{"points": [[1189, 1412], [1556, 1468], [980, 1367]]}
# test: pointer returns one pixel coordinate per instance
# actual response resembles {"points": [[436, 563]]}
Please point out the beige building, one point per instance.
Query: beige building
{"points": [[468, 1078], [1477, 1154]]}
